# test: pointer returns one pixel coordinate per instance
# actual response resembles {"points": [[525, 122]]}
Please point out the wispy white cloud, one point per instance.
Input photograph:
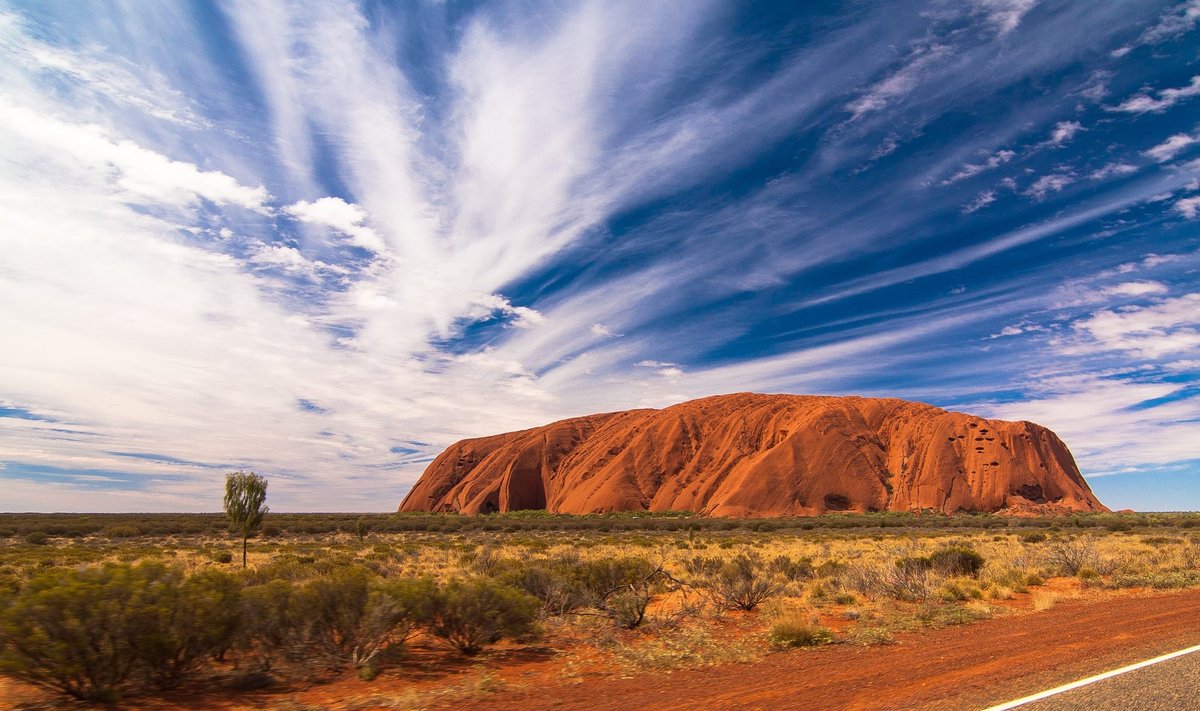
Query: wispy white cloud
{"points": [[970, 170], [1007, 331], [291, 260], [141, 173], [653, 364], [1135, 288], [1161, 329], [1104, 387], [1145, 102], [1173, 146], [347, 218], [1189, 207], [523, 316], [1063, 132], [1110, 170], [985, 198], [1096, 87], [900, 82], [1173, 24], [1005, 15], [1047, 184], [139, 87]]}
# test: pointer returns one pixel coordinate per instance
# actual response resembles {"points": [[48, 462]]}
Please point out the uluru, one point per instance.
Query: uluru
{"points": [[755, 455]]}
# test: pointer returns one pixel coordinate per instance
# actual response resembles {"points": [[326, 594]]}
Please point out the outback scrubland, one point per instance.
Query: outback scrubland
{"points": [[411, 610]]}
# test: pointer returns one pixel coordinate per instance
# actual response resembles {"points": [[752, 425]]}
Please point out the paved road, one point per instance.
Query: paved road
{"points": [[1173, 685]]}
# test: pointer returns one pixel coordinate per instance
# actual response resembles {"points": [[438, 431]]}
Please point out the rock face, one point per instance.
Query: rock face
{"points": [[748, 455]]}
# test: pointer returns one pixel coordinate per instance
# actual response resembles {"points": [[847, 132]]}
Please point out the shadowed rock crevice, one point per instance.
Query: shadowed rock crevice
{"points": [[762, 455]]}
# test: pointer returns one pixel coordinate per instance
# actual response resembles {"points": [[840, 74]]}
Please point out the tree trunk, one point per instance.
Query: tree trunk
{"points": [[244, 537]]}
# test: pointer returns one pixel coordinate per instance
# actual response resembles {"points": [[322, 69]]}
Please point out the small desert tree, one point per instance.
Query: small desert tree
{"points": [[245, 494]]}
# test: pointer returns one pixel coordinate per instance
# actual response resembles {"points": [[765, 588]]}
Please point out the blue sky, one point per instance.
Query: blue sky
{"points": [[322, 240]]}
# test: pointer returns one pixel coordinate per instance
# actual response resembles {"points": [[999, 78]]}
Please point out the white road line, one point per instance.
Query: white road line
{"points": [[1091, 680]]}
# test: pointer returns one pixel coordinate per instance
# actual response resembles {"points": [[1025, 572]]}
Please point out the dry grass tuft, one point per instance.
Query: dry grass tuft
{"points": [[1044, 600]]}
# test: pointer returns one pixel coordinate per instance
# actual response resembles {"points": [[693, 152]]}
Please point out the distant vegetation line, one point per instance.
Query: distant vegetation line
{"points": [[132, 525]]}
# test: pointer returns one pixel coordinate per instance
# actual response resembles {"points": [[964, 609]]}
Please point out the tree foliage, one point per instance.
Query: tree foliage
{"points": [[245, 499]]}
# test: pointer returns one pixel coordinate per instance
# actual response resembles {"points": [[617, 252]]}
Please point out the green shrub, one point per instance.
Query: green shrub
{"points": [[1034, 537], [914, 564], [66, 631], [554, 585], [267, 632], [958, 560], [37, 538], [792, 569], [702, 566], [177, 621], [122, 531], [91, 632], [350, 615], [484, 561], [472, 614]]}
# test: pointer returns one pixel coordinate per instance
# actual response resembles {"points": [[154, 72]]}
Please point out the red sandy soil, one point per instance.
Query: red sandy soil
{"points": [[960, 667], [762, 455], [952, 668]]}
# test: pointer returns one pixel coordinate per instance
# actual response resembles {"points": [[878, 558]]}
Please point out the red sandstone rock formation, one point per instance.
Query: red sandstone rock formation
{"points": [[762, 455]]}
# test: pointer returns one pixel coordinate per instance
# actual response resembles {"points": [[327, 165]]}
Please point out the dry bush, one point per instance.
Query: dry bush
{"points": [[1003, 576], [620, 588], [866, 579], [743, 583], [1070, 555], [905, 578], [1189, 556], [483, 561], [911, 581]]}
